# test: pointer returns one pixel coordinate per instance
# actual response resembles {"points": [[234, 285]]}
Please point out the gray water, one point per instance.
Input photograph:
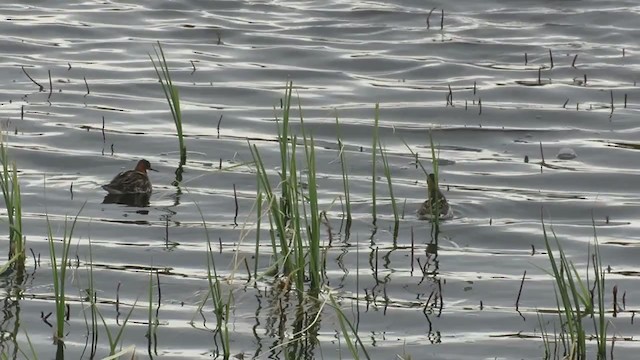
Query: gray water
{"points": [[230, 61]]}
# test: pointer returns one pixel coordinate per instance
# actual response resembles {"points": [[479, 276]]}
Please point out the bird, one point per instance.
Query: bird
{"points": [[134, 181], [436, 204]]}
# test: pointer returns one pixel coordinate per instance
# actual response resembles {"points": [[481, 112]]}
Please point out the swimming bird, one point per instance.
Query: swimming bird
{"points": [[436, 204], [134, 181]]}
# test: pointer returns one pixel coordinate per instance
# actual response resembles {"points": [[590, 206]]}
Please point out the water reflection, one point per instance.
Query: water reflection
{"points": [[137, 200]]}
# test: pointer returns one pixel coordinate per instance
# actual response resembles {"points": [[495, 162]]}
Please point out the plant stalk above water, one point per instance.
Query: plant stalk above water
{"points": [[575, 301], [294, 216], [59, 271], [12, 201], [173, 99]]}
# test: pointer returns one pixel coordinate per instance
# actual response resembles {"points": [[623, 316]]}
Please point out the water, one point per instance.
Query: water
{"points": [[230, 60]]}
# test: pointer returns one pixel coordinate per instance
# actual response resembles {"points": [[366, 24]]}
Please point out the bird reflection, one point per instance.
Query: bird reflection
{"points": [[138, 200]]}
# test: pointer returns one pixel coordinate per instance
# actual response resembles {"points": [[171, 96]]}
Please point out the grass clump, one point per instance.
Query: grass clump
{"points": [[173, 99], [13, 203], [575, 302], [59, 273], [294, 216]]}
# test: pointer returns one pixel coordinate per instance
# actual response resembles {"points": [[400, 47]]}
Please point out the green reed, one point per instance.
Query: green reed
{"points": [[435, 159], [294, 217], [13, 203], [387, 174], [312, 199], [575, 301], [373, 160], [59, 271], [221, 306], [90, 294], [115, 341], [347, 333], [345, 174], [173, 99], [34, 355]]}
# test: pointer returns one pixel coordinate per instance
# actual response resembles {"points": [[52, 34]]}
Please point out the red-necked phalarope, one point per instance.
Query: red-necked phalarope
{"points": [[436, 204], [134, 181]]}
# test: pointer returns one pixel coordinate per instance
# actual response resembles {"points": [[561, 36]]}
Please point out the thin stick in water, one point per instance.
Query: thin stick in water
{"points": [[69, 66], [520, 291], [104, 138], [540, 75], [118, 298], [50, 85], [428, 16], [87, 85], [551, 58], [526, 60], [412, 249], [615, 300], [474, 88], [442, 20], [194, 66], [218, 127], [541, 155], [166, 230], [33, 81], [35, 262], [235, 198], [480, 106], [625, 101], [612, 101], [246, 265], [573, 63], [565, 103]]}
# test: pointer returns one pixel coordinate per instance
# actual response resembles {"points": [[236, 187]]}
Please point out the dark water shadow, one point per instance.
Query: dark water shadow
{"points": [[137, 200]]}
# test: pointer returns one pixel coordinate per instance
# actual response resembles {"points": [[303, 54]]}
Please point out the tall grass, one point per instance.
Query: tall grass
{"points": [[387, 174], [173, 99], [373, 160], [221, 306], [13, 203], [345, 175], [59, 271], [575, 301], [294, 217], [347, 333]]}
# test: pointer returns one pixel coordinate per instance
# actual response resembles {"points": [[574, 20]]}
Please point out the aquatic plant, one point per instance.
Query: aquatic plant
{"points": [[575, 301], [12, 200], [345, 175], [59, 272], [294, 217], [373, 160], [348, 333], [387, 174], [173, 99]]}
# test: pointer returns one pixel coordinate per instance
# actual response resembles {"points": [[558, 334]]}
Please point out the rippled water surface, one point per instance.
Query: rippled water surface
{"points": [[501, 81]]}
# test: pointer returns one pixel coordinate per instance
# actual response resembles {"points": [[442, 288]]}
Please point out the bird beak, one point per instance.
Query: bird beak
{"points": [[153, 169]]}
